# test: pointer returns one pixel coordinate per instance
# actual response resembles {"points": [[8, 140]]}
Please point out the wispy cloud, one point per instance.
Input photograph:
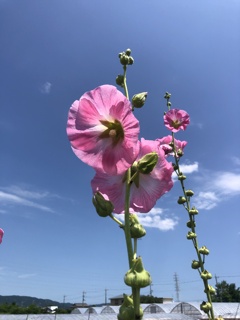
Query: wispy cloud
{"points": [[22, 192], [19, 196], [206, 200], [45, 88], [218, 187], [156, 218], [187, 169]]}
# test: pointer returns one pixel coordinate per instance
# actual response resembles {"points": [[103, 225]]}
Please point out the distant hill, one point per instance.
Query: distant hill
{"points": [[25, 301]]}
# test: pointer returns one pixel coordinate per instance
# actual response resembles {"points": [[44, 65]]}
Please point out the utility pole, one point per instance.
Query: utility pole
{"points": [[177, 289], [83, 297], [151, 291], [64, 298], [106, 296]]}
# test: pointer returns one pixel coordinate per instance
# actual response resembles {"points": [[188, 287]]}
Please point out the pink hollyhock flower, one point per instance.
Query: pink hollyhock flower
{"points": [[146, 192], [1, 234], [164, 144], [103, 130], [176, 120]]}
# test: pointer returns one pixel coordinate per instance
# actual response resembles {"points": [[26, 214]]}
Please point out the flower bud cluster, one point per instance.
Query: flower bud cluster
{"points": [[204, 250], [181, 200], [191, 235], [205, 275], [136, 229], [210, 289], [126, 58], [205, 306], [137, 276], [126, 311]]}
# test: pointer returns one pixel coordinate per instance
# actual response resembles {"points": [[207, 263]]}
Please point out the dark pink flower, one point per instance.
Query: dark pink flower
{"points": [[103, 130], [150, 188], [1, 234], [176, 120], [164, 144]]}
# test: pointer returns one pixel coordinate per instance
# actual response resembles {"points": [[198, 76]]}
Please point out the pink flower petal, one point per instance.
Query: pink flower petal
{"points": [[151, 186], [164, 144], [105, 148], [176, 120]]}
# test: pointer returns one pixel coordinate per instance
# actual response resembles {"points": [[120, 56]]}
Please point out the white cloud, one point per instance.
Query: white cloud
{"points": [[189, 168], [217, 187], [45, 88], [155, 219], [206, 200], [228, 183], [11, 199], [22, 192], [186, 169]]}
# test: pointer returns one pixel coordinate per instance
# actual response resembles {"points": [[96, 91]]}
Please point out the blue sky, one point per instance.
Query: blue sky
{"points": [[55, 245]]}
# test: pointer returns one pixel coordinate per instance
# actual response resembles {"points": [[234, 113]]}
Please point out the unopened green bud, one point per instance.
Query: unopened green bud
{"points": [[119, 80], [196, 264], [167, 95], [191, 235], [148, 162], [126, 311], [139, 99], [205, 275], [128, 52], [137, 231], [193, 211], [169, 104], [175, 166], [189, 193], [181, 200], [205, 306], [180, 153], [210, 289], [137, 276], [124, 59], [204, 250], [133, 219], [191, 224], [103, 207], [130, 60], [181, 177]]}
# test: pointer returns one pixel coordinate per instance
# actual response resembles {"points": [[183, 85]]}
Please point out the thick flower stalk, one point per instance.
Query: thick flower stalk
{"points": [[103, 130], [176, 120], [146, 188]]}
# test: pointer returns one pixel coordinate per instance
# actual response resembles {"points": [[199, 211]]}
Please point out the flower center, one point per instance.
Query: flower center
{"points": [[176, 123], [114, 131]]}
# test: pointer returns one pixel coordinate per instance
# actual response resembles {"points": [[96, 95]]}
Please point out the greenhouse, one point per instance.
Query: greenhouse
{"points": [[168, 311]]}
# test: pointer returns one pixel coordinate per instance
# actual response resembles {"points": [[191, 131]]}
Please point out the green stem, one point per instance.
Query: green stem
{"points": [[125, 81], [116, 220], [127, 224], [131, 253], [193, 229]]}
